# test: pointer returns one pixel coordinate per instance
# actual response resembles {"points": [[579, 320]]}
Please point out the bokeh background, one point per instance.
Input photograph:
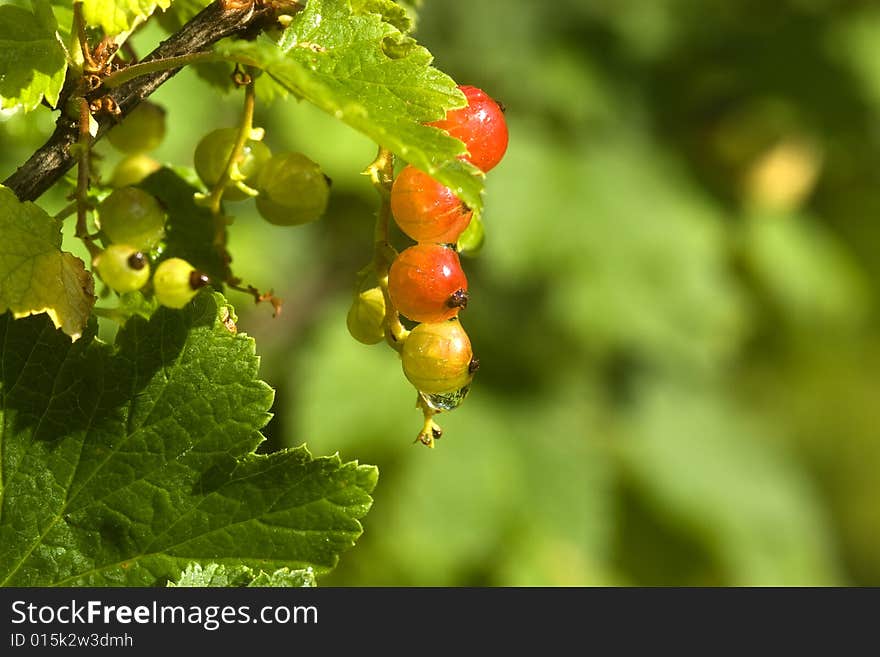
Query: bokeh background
{"points": [[675, 307]]}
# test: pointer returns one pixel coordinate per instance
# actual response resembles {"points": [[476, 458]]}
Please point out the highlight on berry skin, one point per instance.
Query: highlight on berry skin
{"points": [[480, 125]]}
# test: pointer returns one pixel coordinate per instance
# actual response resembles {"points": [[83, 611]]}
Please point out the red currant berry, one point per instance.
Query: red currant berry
{"points": [[480, 125], [426, 210], [437, 357], [427, 284]]}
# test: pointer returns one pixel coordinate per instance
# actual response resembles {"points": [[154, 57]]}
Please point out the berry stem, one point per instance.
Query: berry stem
{"points": [[245, 128], [89, 64], [132, 71], [430, 430], [381, 172], [230, 172]]}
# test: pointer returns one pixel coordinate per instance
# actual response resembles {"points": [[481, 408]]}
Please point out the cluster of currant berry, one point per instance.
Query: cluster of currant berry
{"points": [[426, 283], [132, 222], [289, 188]]}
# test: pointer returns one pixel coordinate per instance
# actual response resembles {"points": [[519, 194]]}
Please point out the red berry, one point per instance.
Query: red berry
{"points": [[426, 210], [480, 125], [426, 283]]}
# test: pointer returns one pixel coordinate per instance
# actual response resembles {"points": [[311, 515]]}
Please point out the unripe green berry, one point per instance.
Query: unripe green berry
{"points": [[212, 155], [176, 282], [132, 216], [123, 268], [366, 317], [141, 131], [293, 190], [133, 169]]}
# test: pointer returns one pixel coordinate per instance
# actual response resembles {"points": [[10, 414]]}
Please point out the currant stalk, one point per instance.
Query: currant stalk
{"points": [[381, 172]]}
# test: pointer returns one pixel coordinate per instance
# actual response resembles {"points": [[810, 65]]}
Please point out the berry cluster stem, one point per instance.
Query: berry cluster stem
{"points": [[430, 430], [120, 77], [381, 172], [245, 132]]}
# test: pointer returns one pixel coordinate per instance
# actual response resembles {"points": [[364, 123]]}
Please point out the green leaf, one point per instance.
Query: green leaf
{"points": [[368, 74], [116, 16], [122, 465], [36, 276], [32, 58], [189, 228], [215, 574], [390, 11]]}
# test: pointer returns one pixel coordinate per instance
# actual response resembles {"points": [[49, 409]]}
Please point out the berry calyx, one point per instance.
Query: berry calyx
{"points": [[366, 317], [212, 154], [132, 216], [426, 283], [426, 210], [293, 190], [141, 131], [123, 268], [438, 358], [480, 125], [176, 282]]}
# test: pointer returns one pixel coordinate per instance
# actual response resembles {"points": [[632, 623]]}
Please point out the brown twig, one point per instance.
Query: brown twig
{"points": [[82, 178], [259, 297]]}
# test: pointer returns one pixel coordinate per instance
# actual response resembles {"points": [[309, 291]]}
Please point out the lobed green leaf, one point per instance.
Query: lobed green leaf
{"points": [[218, 575], [122, 465]]}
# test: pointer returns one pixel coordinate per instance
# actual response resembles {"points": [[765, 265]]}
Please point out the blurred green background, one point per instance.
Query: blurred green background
{"points": [[675, 308]]}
